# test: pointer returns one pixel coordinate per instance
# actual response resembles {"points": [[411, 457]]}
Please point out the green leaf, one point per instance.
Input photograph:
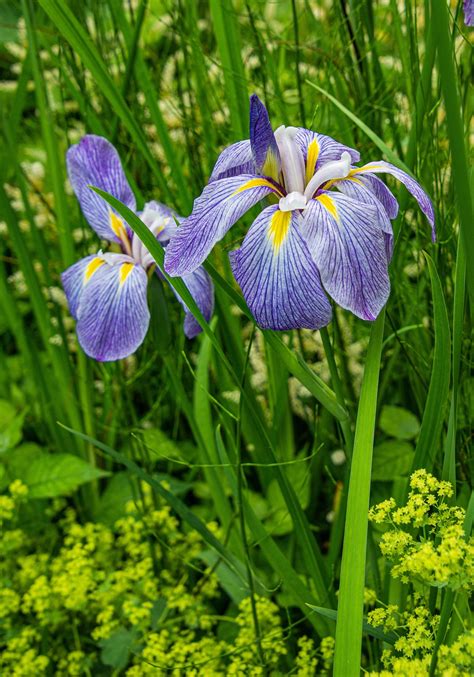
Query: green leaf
{"points": [[51, 475], [11, 425], [111, 505], [159, 445], [392, 459], [279, 522], [117, 647], [399, 422], [7, 414]]}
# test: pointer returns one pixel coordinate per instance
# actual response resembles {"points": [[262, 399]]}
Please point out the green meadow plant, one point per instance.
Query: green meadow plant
{"points": [[224, 337]]}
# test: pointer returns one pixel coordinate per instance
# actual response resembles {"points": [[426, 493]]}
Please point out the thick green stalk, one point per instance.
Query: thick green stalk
{"points": [[350, 616]]}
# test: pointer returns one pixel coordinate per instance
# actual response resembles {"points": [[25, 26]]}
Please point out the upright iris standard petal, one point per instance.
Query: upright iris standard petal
{"points": [[348, 248], [410, 184], [221, 204], [354, 188], [317, 149], [277, 275], [262, 140], [234, 160], [95, 162], [202, 290], [75, 278], [113, 316]]}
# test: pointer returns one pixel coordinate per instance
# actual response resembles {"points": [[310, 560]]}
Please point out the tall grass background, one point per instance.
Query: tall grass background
{"points": [[252, 419]]}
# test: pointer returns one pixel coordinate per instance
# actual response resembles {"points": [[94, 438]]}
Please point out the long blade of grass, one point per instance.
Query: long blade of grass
{"points": [[454, 122], [351, 590], [433, 416], [226, 29]]}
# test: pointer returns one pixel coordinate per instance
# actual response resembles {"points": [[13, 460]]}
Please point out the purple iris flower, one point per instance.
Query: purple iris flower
{"points": [[107, 292], [329, 227]]}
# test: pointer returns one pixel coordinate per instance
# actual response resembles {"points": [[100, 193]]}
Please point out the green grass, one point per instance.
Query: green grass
{"points": [[245, 425]]}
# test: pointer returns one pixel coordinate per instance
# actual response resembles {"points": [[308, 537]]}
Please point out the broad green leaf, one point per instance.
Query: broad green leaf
{"points": [[7, 414], [118, 492], [392, 459], [279, 521], [51, 475], [117, 647], [159, 445], [21, 458], [11, 433], [399, 422]]}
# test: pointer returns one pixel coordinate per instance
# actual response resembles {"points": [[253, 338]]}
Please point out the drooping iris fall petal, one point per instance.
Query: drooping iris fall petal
{"points": [[277, 275]]}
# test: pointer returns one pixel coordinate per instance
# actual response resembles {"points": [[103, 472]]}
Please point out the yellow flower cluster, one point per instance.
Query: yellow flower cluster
{"points": [[413, 650], [138, 585], [440, 555]]}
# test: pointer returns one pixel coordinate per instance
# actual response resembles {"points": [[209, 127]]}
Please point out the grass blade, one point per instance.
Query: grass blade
{"points": [[433, 415], [351, 591]]}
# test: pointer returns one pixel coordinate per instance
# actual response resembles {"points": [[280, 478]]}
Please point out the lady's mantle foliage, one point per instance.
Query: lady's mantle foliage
{"points": [[107, 292], [315, 240]]}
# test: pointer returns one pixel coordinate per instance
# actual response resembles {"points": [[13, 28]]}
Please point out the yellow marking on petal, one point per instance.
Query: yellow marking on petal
{"points": [[118, 228], [91, 267], [271, 165], [125, 270], [330, 183], [328, 203], [278, 228], [359, 170], [256, 183], [311, 159]]}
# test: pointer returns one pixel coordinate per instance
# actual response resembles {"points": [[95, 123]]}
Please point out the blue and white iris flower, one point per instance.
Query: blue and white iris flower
{"points": [[107, 292], [330, 231]]}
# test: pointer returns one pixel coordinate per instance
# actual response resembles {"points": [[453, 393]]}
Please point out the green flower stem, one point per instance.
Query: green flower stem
{"points": [[351, 590]]}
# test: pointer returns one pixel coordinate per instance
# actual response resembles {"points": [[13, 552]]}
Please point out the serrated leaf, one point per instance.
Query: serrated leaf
{"points": [[392, 459], [399, 422], [116, 648], [51, 475]]}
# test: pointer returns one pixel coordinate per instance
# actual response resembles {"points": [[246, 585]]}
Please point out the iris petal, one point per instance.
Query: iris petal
{"points": [[220, 205], [202, 290], [317, 149], [73, 281], [355, 189], [113, 316], [348, 247], [95, 162], [262, 140], [234, 160], [410, 184], [278, 278]]}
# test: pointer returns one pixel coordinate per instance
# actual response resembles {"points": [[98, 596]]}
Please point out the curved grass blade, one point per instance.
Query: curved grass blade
{"points": [[310, 551], [176, 504]]}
